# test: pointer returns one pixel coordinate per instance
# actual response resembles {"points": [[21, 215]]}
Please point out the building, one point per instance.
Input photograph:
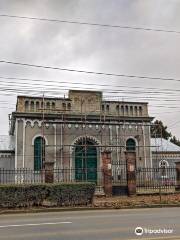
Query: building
{"points": [[72, 132], [164, 153], [7, 152]]}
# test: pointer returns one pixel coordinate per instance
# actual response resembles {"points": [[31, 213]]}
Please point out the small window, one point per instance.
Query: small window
{"points": [[130, 145], [69, 106], [163, 164], [26, 106], [122, 110], [135, 111], [140, 111], [32, 106], [48, 105], [126, 110], [53, 105], [37, 106], [117, 109], [63, 106], [107, 108], [131, 110]]}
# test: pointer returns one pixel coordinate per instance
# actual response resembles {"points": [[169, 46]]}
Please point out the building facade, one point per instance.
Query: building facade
{"points": [[164, 153], [73, 132]]}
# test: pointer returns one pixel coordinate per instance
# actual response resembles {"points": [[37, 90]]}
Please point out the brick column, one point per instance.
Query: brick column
{"points": [[49, 173], [107, 172], [177, 176], [131, 172]]}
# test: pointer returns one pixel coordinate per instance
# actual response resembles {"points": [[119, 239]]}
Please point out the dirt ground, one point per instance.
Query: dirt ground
{"points": [[139, 201]]}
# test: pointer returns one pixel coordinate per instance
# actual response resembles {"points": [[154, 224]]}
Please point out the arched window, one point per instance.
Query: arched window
{"points": [[107, 108], [48, 105], [117, 109], [130, 145], [126, 110], [69, 106], [135, 111], [53, 105], [63, 106], [32, 106], [26, 106], [131, 110], [122, 110], [140, 111], [37, 106], [39, 153], [163, 164]]}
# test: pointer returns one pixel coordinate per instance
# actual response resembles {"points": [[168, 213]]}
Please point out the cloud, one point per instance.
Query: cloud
{"points": [[94, 48]]}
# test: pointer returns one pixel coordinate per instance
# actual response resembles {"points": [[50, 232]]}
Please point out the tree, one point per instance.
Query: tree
{"points": [[175, 140], [159, 130]]}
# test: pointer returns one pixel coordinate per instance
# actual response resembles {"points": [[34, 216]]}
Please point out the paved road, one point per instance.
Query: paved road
{"points": [[89, 225]]}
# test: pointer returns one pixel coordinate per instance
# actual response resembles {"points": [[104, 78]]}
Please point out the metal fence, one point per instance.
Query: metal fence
{"points": [[154, 180], [147, 179], [119, 174], [28, 176]]}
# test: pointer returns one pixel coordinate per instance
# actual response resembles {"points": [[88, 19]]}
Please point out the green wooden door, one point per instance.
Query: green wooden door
{"points": [[86, 162]]}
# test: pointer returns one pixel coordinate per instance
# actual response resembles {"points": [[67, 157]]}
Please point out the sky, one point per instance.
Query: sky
{"points": [[92, 48]]}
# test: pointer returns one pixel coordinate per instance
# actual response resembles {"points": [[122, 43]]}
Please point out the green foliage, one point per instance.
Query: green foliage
{"points": [[175, 140], [66, 194], [159, 130]]}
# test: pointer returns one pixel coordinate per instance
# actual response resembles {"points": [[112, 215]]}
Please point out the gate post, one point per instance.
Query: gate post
{"points": [[177, 176], [49, 173], [131, 172], [107, 172]]}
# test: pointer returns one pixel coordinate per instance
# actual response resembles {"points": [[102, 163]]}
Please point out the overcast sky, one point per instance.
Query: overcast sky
{"points": [[93, 48]]}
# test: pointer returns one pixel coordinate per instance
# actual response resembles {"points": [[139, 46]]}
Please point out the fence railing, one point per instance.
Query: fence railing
{"points": [[146, 178], [156, 177], [28, 176]]}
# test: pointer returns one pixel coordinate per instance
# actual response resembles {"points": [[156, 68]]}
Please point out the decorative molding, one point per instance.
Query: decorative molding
{"points": [[78, 139], [33, 122], [39, 135]]}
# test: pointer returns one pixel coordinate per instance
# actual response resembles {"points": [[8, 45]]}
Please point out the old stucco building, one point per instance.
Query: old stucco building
{"points": [[164, 153], [72, 132]]}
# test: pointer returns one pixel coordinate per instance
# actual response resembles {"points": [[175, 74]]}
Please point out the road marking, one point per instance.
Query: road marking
{"points": [[34, 224]]}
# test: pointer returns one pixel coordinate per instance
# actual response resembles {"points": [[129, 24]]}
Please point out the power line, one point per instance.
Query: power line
{"points": [[92, 24], [54, 91], [88, 72], [57, 83], [52, 88]]}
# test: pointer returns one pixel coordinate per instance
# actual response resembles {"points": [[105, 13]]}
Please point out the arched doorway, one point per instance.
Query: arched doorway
{"points": [[130, 145], [85, 161]]}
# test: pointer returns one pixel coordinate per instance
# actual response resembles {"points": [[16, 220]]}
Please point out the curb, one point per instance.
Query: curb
{"points": [[44, 210]]}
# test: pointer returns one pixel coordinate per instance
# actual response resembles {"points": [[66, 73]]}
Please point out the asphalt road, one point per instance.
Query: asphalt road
{"points": [[89, 225]]}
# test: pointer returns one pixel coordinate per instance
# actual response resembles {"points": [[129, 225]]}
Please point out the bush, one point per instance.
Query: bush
{"points": [[64, 194]]}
